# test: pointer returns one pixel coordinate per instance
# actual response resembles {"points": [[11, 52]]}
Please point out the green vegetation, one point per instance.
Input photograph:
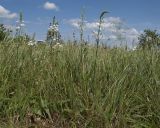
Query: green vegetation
{"points": [[71, 85], [4, 32], [40, 86], [53, 34], [149, 39]]}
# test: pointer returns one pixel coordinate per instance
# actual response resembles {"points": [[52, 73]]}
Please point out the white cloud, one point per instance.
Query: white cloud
{"points": [[50, 6], [109, 23], [74, 22], [114, 28], [4, 13]]}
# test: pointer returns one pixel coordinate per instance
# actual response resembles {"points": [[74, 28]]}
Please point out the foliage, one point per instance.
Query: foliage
{"points": [[79, 86], [149, 39], [39, 84], [81, 24], [20, 26], [100, 27], [4, 33], [53, 34], [22, 39]]}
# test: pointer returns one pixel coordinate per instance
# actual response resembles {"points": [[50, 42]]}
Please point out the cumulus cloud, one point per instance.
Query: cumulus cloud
{"points": [[114, 28], [109, 22], [4, 13], [50, 6], [74, 22]]}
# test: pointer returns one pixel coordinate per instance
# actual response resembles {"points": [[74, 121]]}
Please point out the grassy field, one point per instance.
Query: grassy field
{"points": [[69, 87]]}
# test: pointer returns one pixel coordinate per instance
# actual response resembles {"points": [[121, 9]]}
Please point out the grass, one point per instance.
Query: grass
{"points": [[45, 87]]}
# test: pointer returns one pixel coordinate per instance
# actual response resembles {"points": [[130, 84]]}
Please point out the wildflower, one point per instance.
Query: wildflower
{"points": [[31, 43], [22, 25], [18, 27], [134, 48], [58, 45]]}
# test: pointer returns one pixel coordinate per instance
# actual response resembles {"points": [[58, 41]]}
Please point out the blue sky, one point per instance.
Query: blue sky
{"points": [[136, 15]]}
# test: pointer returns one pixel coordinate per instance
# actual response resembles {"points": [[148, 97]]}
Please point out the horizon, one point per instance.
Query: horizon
{"points": [[126, 18]]}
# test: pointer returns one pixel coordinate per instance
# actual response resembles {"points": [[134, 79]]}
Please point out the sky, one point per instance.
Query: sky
{"points": [[126, 18]]}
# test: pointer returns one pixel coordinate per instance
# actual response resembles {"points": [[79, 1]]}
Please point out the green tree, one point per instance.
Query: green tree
{"points": [[149, 39], [4, 32]]}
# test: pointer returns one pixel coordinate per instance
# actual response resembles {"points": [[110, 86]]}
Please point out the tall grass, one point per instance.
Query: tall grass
{"points": [[40, 84]]}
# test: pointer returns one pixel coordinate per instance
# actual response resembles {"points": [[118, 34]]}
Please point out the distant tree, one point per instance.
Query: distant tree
{"points": [[4, 32], [149, 39], [53, 34]]}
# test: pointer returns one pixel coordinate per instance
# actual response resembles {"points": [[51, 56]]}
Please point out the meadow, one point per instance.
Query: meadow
{"points": [[74, 86]]}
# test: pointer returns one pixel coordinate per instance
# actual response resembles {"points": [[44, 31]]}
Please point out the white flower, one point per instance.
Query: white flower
{"points": [[61, 46], [149, 38], [134, 48], [58, 45], [18, 27], [56, 29], [31, 43], [22, 25]]}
